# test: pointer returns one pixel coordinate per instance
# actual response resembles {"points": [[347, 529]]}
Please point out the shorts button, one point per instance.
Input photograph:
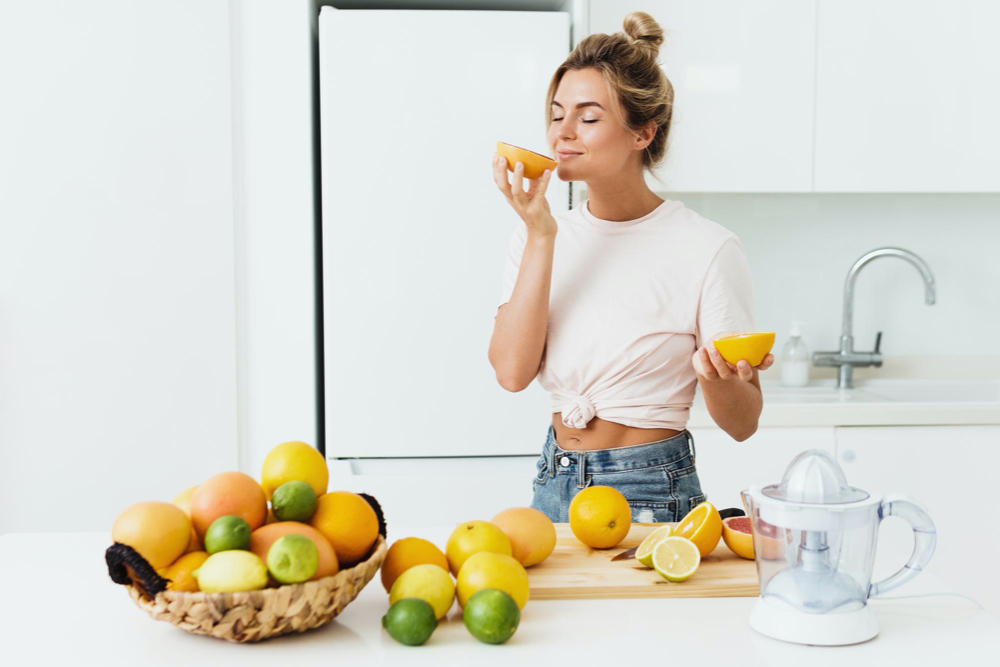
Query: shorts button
{"points": [[564, 462]]}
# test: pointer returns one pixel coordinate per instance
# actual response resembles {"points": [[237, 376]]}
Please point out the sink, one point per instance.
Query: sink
{"points": [[886, 391]]}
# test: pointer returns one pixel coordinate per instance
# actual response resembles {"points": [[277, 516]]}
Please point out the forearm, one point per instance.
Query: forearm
{"points": [[519, 332], [734, 406]]}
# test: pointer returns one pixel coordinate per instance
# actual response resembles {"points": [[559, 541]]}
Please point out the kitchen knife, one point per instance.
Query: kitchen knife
{"points": [[725, 514]]}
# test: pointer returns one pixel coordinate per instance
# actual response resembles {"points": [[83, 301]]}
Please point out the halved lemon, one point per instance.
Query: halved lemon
{"points": [[703, 526], [752, 346], [644, 554], [676, 558]]}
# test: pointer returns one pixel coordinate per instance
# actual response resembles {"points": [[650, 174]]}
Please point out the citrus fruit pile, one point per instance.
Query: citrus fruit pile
{"points": [[231, 533], [487, 560]]}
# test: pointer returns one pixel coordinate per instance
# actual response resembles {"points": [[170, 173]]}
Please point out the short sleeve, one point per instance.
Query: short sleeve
{"points": [[515, 249], [726, 303]]}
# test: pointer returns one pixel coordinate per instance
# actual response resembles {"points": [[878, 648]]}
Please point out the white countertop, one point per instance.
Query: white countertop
{"points": [[873, 402], [60, 607]]}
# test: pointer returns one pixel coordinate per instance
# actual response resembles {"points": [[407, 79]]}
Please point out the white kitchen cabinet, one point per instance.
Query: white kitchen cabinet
{"points": [[726, 467], [743, 77], [907, 96], [951, 471], [118, 357]]}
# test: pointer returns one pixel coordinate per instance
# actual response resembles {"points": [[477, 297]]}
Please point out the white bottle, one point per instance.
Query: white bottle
{"points": [[795, 359]]}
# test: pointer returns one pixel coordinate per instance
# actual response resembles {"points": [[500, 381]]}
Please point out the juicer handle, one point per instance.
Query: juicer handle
{"points": [[924, 540]]}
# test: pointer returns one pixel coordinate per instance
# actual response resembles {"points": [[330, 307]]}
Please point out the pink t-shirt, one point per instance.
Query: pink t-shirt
{"points": [[630, 302]]}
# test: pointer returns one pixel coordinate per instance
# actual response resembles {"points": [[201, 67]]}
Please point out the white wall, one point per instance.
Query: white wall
{"points": [[801, 246], [117, 285]]}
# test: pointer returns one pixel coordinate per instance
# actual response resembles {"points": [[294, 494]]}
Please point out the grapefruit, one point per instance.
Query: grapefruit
{"points": [[233, 493], [262, 539], [183, 500], [532, 535], [486, 569], [737, 535], [159, 531]]}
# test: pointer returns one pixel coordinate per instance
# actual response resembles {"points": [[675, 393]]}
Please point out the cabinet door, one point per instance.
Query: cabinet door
{"points": [[726, 467], [743, 77], [907, 96], [117, 310], [951, 471]]}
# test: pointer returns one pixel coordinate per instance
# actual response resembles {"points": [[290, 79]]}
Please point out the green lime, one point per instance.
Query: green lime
{"points": [[410, 621], [491, 615], [293, 501], [226, 533], [292, 559]]}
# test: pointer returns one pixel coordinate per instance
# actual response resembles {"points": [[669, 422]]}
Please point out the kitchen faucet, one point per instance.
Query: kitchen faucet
{"points": [[846, 358]]}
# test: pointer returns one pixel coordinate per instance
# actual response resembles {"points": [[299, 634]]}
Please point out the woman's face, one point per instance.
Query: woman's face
{"points": [[585, 136]]}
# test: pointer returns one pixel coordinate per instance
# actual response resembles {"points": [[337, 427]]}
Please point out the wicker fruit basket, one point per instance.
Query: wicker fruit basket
{"points": [[244, 616]]}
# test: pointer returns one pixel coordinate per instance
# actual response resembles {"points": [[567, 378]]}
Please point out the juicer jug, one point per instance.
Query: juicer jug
{"points": [[814, 539]]}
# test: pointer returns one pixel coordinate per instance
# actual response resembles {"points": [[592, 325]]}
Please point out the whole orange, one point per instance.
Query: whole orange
{"points": [[262, 539], [228, 493], [600, 517], [179, 572], [407, 552], [532, 535], [349, 522], [472, 537]]}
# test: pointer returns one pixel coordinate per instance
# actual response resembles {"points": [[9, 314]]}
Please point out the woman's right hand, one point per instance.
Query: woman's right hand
{"points": [[532, 205]]}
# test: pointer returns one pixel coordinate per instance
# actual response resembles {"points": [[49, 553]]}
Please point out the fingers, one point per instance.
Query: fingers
{"points": [[537, 186], [764, 365], [719, 363], [500, 175], [517, 184], [744, 371]]}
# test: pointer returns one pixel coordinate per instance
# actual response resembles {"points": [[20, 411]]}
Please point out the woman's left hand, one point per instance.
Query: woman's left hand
{"points": [[710, 366]]}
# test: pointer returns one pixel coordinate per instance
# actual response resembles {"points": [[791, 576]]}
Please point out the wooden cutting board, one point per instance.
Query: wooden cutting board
{"points": [[575, 571]]}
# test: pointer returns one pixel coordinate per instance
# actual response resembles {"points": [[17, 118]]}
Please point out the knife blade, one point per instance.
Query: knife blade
{"points": [[725, 514]]}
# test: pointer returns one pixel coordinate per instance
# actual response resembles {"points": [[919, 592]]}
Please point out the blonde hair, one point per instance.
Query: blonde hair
{"points": [[627, 62]]}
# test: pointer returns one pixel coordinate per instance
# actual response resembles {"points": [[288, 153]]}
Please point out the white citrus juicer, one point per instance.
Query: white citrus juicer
{"points": [[814, 543]]}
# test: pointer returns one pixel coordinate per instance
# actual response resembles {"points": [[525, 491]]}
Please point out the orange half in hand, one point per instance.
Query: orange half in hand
{"points": [[752, 347], [535, 164]]}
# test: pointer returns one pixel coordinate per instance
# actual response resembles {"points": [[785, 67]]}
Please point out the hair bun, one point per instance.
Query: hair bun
{"points": [[643, 31]]}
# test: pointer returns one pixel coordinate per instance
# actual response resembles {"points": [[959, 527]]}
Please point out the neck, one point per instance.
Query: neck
{"points": [[621, 199]]}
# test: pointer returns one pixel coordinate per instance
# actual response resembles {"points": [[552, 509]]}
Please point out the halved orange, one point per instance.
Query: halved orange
{"points": [[703, 526], [751, 346], [534, 163]]}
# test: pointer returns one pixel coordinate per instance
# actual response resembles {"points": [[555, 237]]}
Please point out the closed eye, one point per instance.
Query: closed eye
{"points": [[586, 121]]}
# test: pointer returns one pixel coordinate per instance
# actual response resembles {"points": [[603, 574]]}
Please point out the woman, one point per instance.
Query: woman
{"points": [[614, 304]]}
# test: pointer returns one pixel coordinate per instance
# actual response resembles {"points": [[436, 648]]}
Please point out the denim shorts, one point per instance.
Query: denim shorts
{"points": [[658, 479]]}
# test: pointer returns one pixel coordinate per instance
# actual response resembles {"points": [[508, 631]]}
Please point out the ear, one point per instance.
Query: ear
{"points": [[645, 136]]}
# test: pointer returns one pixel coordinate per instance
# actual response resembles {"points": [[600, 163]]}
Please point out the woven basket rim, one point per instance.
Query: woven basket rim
{"points": [[376, 553]]}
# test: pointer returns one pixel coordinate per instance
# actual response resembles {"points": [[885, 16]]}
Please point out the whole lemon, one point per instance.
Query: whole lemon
{"points": [[427, 582], [231, 571], [180, 571], [159, 531], [472, 537], [491, 570], [600, 516], [407, 552], [291, 461]]}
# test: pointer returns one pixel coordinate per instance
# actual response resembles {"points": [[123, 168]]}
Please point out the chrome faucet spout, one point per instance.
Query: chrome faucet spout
{"points": [[846, 358]]}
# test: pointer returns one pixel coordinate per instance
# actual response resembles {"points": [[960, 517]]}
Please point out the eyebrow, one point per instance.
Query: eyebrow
{"points": [[581, 104]]}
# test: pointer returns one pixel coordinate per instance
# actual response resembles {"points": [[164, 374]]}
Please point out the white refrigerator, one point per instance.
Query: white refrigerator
{"points": [[414, 240]]}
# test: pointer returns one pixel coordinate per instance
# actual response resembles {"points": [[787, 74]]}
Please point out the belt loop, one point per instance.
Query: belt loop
{"points": [[691, 438], [581, 470]]}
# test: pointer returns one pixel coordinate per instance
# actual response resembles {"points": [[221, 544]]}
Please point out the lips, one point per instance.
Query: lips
{"points": [[566, 155]]}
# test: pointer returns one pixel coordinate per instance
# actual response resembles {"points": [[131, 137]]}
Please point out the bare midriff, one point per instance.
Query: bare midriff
{"points": [[601, 434]]}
